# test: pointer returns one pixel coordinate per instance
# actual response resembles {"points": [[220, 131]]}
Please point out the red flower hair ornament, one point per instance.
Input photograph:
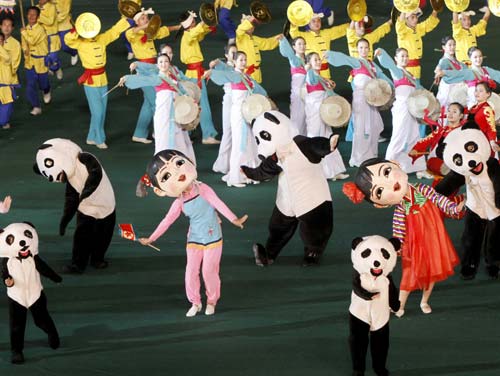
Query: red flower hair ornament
{"points": [[353, 193]]}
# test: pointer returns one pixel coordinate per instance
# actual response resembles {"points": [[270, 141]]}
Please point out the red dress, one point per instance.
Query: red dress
{"points": [[428, 255]]}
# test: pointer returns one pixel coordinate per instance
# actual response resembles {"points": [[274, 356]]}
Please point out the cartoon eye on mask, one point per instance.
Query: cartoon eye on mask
{"points": [[265, 135], [165, 177], [48, 162], [10, 239], [28, 234], [180, 162], [471, 147], [457, 159]]}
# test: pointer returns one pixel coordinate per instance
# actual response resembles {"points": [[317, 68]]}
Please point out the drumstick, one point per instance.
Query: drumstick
{"points": [[110, 90], [21, 10], [152, 246]]}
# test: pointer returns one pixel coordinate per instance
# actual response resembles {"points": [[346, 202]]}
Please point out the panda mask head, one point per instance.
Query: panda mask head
{"points": [[56, 159], [465, 150], [171, 173], [18, 240], [374, 255], [271, 130]]}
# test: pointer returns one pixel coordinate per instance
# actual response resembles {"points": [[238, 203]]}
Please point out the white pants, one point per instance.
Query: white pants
{"points": [[221, 164]]}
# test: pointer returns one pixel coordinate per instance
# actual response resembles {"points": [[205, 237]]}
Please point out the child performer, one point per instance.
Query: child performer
{"points": [[145, 51], [447, 62], [48, 19], [172, 174], [296, 57], [367, 121], [427, 252], [243, 148], [92, 52], [410, 33], [472, 76], [221, 164], [192, 35], [64, 25], [35, 46], [405, 128], [168, 134], [251, 45], [7, 93], [319, 40], [428, 145], [465, 34], [319, 88]]}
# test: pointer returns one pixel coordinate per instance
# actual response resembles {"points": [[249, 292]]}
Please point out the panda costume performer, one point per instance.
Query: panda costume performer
{"points": [[303, 198], [21, 269], [373, 296], [89, 194], [467, 152]]}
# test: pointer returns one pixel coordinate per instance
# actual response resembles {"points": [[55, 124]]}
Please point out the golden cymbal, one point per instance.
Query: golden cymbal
{"points": [[299, 13], [260, 11], [153, 26], [88, 25], [406, 6], [208, 14], [356, 10], [128, 8], [494, 6], [457, 5]]}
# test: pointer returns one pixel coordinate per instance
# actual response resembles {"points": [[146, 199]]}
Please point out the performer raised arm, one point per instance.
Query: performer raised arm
{"points": [[410, 33], [465, 34], [319, 40], [48, 19], [358, 30], [91, 47]]}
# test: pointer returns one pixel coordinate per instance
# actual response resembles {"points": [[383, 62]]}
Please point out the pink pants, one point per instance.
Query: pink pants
{"points": [[210, 257]]}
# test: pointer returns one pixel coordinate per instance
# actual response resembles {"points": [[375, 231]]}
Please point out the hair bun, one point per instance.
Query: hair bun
{"points": [[353, 193]]}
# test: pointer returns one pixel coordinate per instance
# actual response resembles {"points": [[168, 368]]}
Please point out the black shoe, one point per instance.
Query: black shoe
{"points": [[260, 254], [71, 269], [54, 341], [467, 273], [492, 271], [100, 264], [311, 259], [17, 357]]}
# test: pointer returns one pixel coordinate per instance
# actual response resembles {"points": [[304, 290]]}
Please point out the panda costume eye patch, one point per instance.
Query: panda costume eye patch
{"points": [[366, 253], [471, 147], [265, 135], [48, 162], [10, 239], [385, 253], [28, 234], [457, 159]]}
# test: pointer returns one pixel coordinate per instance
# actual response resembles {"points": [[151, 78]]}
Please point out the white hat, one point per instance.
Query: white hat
{"points": [[143, 11], [378, 92], [188, 21], [458, 93], [185, 109], [494, 102], [467, 13], [191, 89], [253, 106], [317, 15], [335, 111], [421, 100]]}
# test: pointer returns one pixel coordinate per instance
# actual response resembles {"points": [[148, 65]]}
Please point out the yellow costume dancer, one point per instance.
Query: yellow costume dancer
{"points": [[48, 19], [318, 40], [357, 30], [7, 94], [251, 45], [410, 33], [465, 35], [64, 25]]}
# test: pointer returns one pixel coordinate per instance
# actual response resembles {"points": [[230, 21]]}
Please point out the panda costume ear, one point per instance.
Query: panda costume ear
{"points": [[396, 243], [1, 230], [35, 165], [29, 224], [269, 116], [470, 125], [355, 242]]}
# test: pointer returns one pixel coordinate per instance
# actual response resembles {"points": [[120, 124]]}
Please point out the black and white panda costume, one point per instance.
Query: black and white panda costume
{"points": [[373, 296], [89, 194], [21, 269], [467, 152], [303, 198]]}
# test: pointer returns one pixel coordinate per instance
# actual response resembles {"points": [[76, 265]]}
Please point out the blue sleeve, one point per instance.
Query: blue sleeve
{"points": [[222, 66], [338, 59], [257, 89], [312, 77], [221, 77], [454, 76], [287, 51], [388, 62], [493, 73], [444, 64], [135, 81], [146, 69]]}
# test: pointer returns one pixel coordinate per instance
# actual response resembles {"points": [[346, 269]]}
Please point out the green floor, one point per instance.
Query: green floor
{"points": [[282, 320]]}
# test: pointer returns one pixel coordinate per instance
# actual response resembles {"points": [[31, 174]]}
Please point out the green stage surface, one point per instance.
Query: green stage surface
{"points": [[281, 320]]}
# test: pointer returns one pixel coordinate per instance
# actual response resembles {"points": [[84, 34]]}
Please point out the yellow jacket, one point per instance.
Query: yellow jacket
{"points": [[48, 19], [373, 37], [13, 47], [92, 52], [225, 4], [412, 39], [145, 50], [467, 38], [320, 43], [190, 46], [5, 76], [252, 45], [63, 9], [35, 46]]}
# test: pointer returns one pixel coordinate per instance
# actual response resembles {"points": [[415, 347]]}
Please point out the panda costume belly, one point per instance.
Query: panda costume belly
{"points": [[89, 195]]}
